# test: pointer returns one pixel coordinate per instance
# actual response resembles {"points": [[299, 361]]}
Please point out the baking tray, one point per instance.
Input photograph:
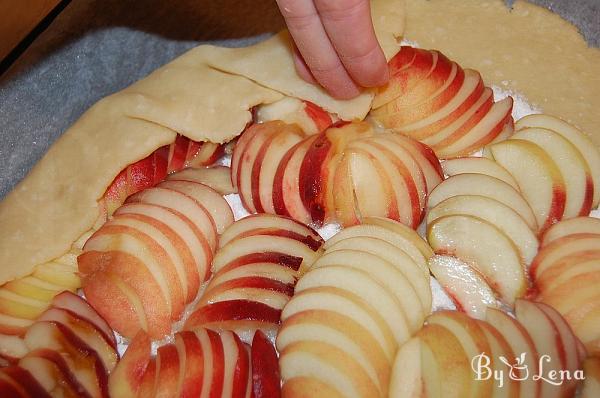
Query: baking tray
{"points": [[97, 47]]}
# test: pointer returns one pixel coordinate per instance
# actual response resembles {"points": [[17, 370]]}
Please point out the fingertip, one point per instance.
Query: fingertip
{"points": [[343, 91], [302, 69]]}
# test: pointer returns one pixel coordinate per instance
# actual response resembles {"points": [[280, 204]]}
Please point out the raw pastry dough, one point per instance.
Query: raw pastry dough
{"points": [[280, 75], [529, 50]]}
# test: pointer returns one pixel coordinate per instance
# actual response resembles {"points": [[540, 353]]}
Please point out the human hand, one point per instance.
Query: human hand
{"points": [[336, 44]]}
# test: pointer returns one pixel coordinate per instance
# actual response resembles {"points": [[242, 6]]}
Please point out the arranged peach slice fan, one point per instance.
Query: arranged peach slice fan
{"points": [[217, 303]]}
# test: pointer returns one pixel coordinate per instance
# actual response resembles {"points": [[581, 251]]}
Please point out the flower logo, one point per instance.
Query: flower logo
{"points": [[518, 369]]}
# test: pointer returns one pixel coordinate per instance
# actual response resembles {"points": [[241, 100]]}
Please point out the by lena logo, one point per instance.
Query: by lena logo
{"points": [[518, 370]]}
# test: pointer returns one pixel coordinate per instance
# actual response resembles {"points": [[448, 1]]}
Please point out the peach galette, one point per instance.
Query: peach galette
{"points": [[213, 302]]}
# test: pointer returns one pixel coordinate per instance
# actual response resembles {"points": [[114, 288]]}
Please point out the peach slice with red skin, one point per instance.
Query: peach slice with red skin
{"points": [[538, 176], [407, 69], [240, 248], [126, 378], [266, 163], [441, 76], [405, 113], [289, 262], [484, 247], [251, 287], [547, 341], [576, 137], [234, 312], [216, 177], [520, 342], [496, 120], [82, 361], [149, 380], [577, 225], [20, 382], [400, 196], [424, 156], [579, 185], [87, 332], [122, 249], [177, 249], [194, 239], [101, 287], [216, 206], [181, 205], [567, 246], [156, 311], [191, 359], [236, 369], [317, 168], [272, 225], [261, 135], [487, 186], [266, 382], [287, 199], [167, 371], [51, 371], [431, 123]]}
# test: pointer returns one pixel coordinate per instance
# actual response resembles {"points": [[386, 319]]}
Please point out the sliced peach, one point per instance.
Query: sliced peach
{"points": [[485, 131], [360, 283], [258, 223], [577, 225], [348, 305], [484, 247], [494, 212], [182, 205], [521, 343], [384, 273], [393, 255], [125, 379], [287, 198], [538, 176], [570, 245], [579, 185], [548, 342], [467, 288], [216, 177], [275, 244], [483, 185], [576, 137], [195, 240], [266, 381], [477, 165], [472, 339], [215, 204]]}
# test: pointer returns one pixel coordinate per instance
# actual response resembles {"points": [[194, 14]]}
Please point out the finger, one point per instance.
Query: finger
{"points": [[350, 29], [313, 44], [302, 68]]}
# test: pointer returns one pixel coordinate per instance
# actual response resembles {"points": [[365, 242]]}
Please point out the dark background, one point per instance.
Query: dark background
{"points": [[96, 47]]}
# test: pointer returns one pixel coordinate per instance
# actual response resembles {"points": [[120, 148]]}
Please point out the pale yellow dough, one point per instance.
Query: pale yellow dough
{"points": [[57, 202], [529, 50], [280, 74]]}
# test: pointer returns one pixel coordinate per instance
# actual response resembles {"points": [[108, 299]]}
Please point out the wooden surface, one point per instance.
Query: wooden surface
{"points": [[18, 18]]}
